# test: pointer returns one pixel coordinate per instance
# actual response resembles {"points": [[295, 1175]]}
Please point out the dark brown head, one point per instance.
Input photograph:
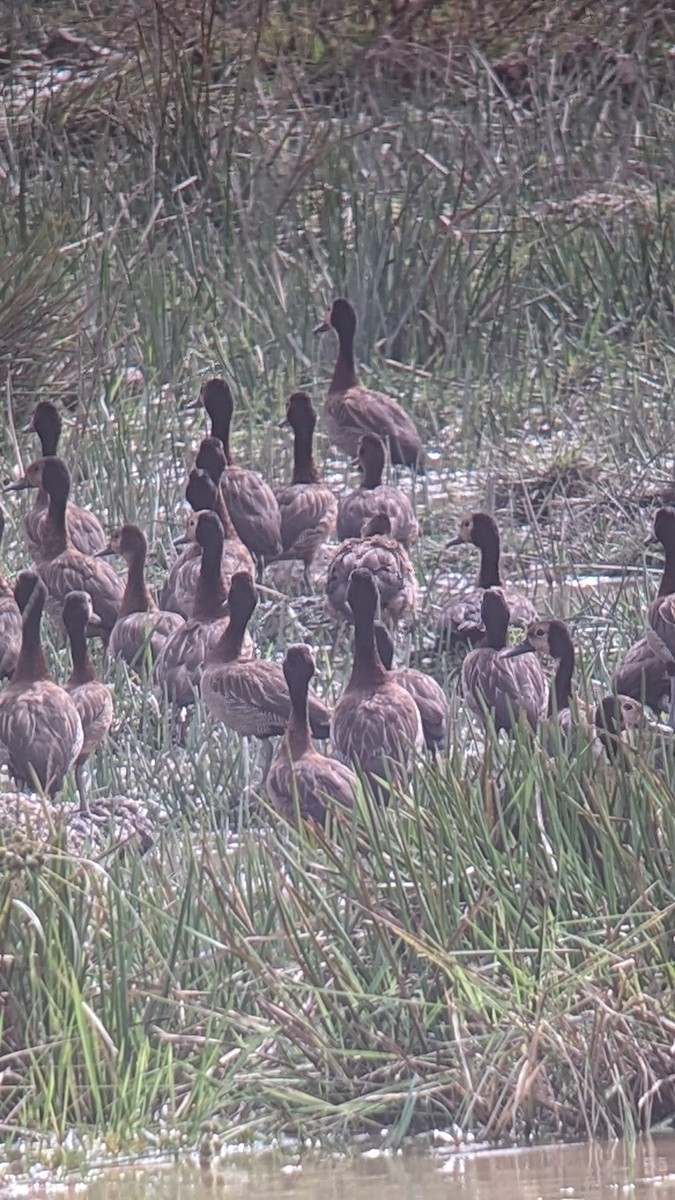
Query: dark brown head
{"points": [[340, 317], [385, 645], [545, 637], [47, 424], [298, 666], [211, 457], [664, 527], [78, 612], [208, 531], [200, 491], [300, 414], [127, 540], [242, 598], [479, 529], [379, 525], [29, 591], [362, 594], [217, 399]]}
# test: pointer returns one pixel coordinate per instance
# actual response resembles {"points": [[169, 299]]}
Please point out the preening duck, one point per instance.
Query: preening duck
{"points": [[425, 691], [307, 505], [376, 723], [495, 686], [388, 563], [40, 727], [374, 496], [250, 501], [250, 696], [141, 626], [92, 699], [84, 528], [301, 781], [352, 410], [460, 619], [553, 638], [10, 622], [644, 671], [63, 568], [180, 663]]}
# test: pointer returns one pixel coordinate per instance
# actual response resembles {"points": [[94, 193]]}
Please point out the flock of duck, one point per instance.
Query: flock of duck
{"points": [[195, 639]]}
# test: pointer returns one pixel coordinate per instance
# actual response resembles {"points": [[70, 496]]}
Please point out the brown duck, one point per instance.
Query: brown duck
{"points": [[308, 507], [425, 691], [352, 410], [496, 687], [92, 699], [388, 563], [10, 622], [374, 496], [460, 619], [250, 501], [141, 627], [645, 670], [301, 782], [376, 724], [40, 728]]}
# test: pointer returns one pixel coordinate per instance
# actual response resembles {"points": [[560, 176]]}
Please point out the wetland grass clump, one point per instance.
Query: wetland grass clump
{"points": [[494, 949]]}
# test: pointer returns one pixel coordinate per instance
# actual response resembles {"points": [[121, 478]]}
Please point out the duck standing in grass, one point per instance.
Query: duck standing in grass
{"points": [[84, 528], [376, 723], [352, 410], [307, 505], [387, 562], [300, 780], [141, 625], [374, 496], [40, 728], [645, 671], [92, 699], [460, 619], [499, 688], [250, 501]]}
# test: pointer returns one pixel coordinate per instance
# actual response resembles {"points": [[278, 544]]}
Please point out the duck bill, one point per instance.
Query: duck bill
{"points": [[516, 651], [21, 485], [456, 541], [181, 541], [651, 540], [105, 552], [323, 326], [94, 626]]}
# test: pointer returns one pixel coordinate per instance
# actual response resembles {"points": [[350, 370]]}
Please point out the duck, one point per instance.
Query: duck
{"points": [[553, 638], [388, 563], [180, 663], [644, 672], [251, 696], [374, 496], [179, 591], [425, 691], [40, 727], [250, 501], [300, 781], [63, 568], [84, 528], [92, 699], [10, 621], [460, 621], [211, 458], [141, 626], [308, 506], [613, 716], [376, 723], [497, 689], [352, 410]]}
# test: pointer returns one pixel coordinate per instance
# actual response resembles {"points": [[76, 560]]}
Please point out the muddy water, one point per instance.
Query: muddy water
{"points": [[643, 1171]]}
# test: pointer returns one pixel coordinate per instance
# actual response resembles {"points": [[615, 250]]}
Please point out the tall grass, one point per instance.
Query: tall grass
{"points": [[495, 949]]}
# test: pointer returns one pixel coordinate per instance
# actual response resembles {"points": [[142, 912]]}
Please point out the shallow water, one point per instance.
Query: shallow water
{"points": [[644, 1170]]}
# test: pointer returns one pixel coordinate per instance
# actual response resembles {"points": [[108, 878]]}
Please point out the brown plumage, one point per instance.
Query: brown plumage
{"points": [[250, 697], [63, 568], [307, 505], [92, 699], [203, 494], [141, 626], [460, 619], [388, 563], [250, 501], [180, 663], [10, 622], [301, 781], [376, 724], [374, 496], [644, 671], [553, 638], [425, 691], [496, 687], [40, 728], [352, 410], [84, 528]]}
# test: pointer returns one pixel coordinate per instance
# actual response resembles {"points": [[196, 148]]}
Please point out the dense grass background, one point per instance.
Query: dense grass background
{"points": [[181, 192]]}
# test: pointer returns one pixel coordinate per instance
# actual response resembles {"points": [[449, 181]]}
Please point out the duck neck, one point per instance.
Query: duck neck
{"points": [[368, 670], [298, 738], [344, 373], [221, 511], [495, 635], [488, 575], [372, 475], [220, 428], [560, 693], [667, 586], [55, 533], [83, 667], [229, 645], [304, 467], [31, 664], [136, 596], [210, 594]]}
